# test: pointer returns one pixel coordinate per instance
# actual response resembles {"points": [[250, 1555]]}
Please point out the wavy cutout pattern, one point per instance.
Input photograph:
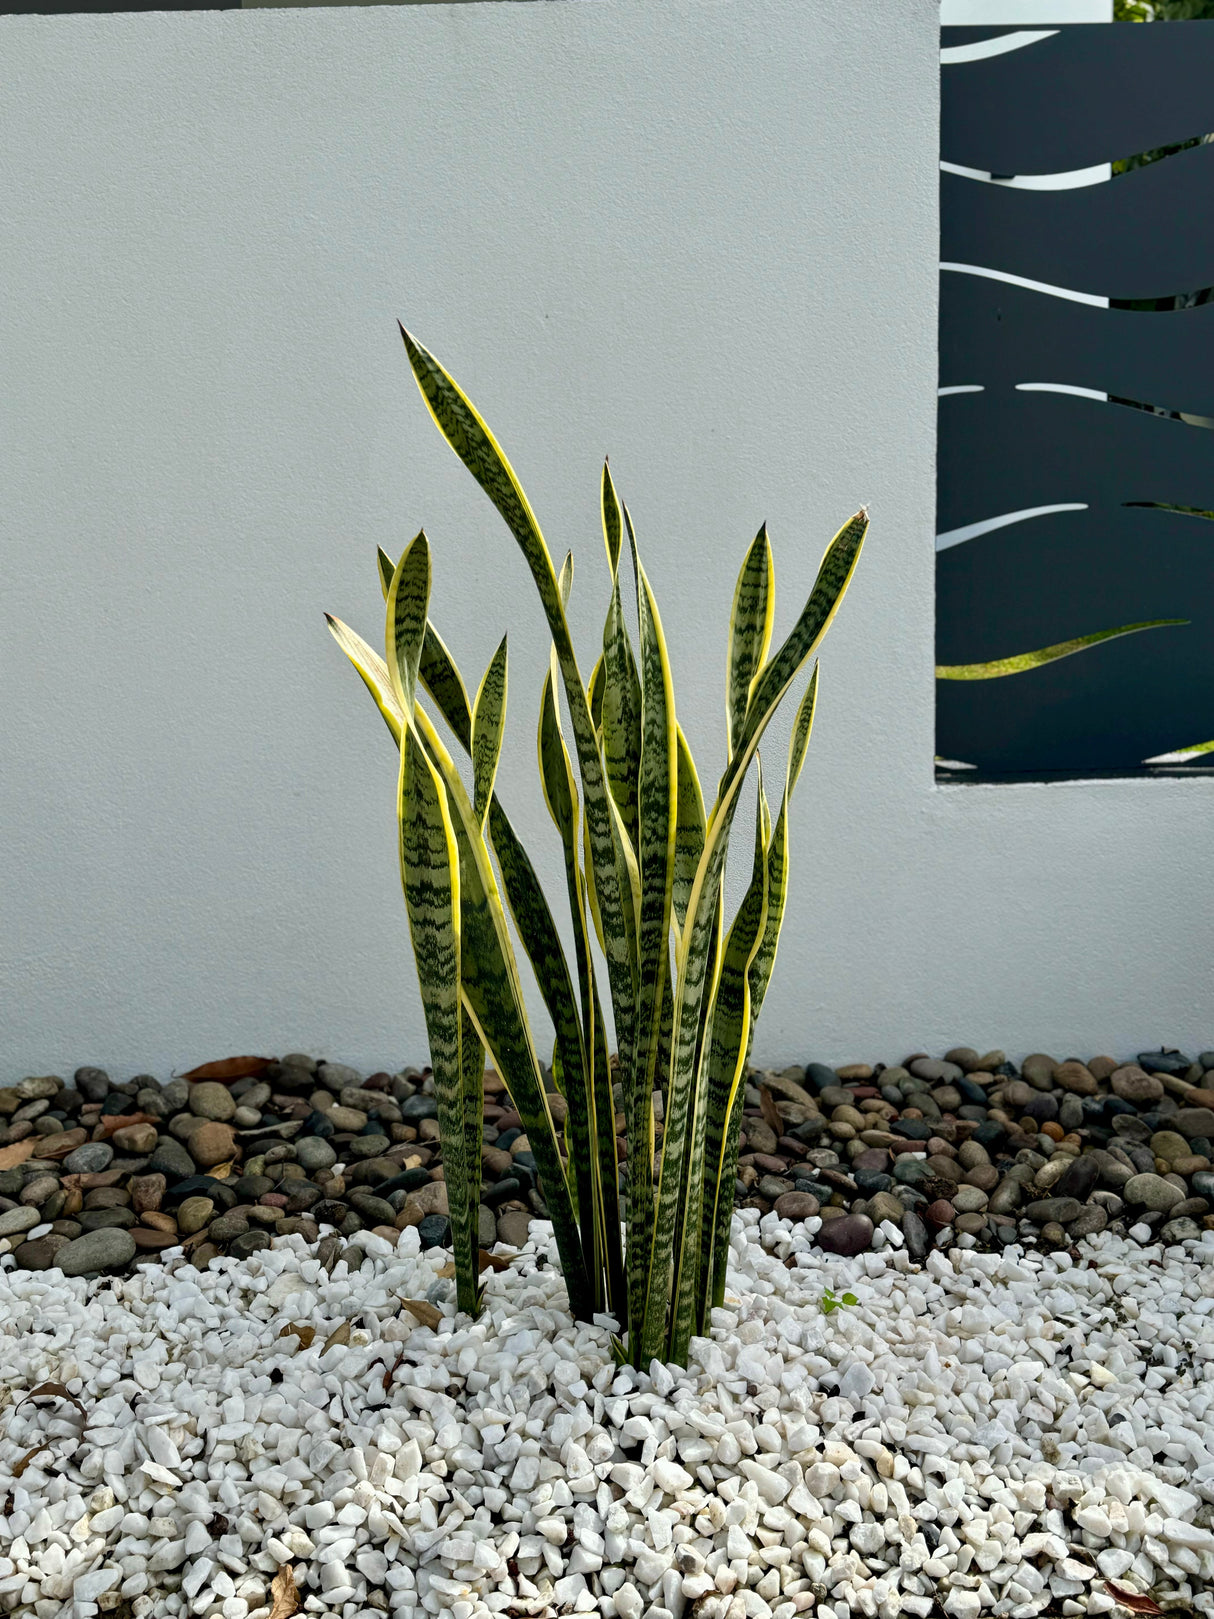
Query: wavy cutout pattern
{"points": [[1143, 238], [1077, 96], [981, 50], [999, 334], [1065, 449]]}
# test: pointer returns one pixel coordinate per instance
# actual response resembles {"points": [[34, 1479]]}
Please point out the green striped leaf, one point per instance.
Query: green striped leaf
{"points": [[689, 831], [594, 694], [565, 578], [750, 623], [408, 598], [488, 727], [374, 672], [445, 684], [430, 875], [621, 716], [731, 1032], [386, 569], [657, 815], [613, 532], [470, 438], [801, 727], [1021, 661], [774, 679], [493, 997]]}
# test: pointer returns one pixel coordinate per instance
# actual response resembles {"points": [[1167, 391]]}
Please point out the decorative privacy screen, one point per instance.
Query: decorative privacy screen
{"points": [[1075, 548]]}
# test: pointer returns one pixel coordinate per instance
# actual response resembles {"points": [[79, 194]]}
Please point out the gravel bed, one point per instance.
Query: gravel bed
{"points": [[967, 1149], [986, 1433]]}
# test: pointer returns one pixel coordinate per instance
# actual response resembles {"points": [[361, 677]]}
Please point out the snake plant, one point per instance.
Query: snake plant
{"points": [[644, 867]]}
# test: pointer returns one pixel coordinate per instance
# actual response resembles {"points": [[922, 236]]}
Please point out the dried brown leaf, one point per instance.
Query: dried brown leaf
{"points": [[220, 1172], [391, 1371], [304, 1334], [20, 1466], [11, 1157], [424, 1311], [487, 1261], [771, 1113], [229, 1069], [339, 1335], [55, 1391], [1131, 1599], [446, 1270], [284, 1592]]}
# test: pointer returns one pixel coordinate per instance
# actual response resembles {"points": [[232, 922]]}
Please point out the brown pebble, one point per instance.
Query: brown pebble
{"points": [[1076, 1077], [135, 1138], [938, 1147], [1053, 1129], [796, 1205], [939, 1214], [212, 1143], [855, 1070], [972, 1222], [830, 1212], [146, 1192], [494, 1084], [984, 1176], [202, 1256], [155, 1220], [145, 1237], [768, 1163]]}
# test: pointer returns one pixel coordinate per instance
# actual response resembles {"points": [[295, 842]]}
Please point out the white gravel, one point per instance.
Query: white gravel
{"points": [[991, 1433]]}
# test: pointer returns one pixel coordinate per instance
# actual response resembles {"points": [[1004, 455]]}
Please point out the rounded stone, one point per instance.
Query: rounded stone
{"points": [[1053, 1210], [138, 1139], [965, 1058], [418, 1107], [248, 1242], [193, 1214], [23, 1218], [104, 1249], [882, 1206], [40, 1253], [849, 1235], [1168, 1145], [210, 1100], [1194, 1121], [227, 1227], [365, 1147], [1092, 1217], [90, 1159], [1134, 1084], [969, 1200], [1076, 1077], [435, 1231], [36, 1192], [1078, 1178], [170, 1160], [984, 1176], [939, 1214], [918, 1239], [1038, 1069], [1152, 1192], [796, 1206], [971, 1222], [212, 1143], [95, 1219]]}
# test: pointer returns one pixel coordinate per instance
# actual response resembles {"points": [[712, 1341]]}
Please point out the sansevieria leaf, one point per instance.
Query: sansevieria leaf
{"points": [[1019, 662], [430, 875], [408, 599], [750, 623], [488, 726]]}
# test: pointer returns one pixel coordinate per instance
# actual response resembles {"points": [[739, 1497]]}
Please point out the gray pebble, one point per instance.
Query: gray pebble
{"points": [[105, 1249], [313, 1153], [22, 1218], [1153, 1192], [90, 1159]]}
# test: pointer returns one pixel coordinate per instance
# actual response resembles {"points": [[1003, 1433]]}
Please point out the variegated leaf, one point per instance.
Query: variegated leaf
{"points": [[408, 599], [750, 622], [488, 726], [801, 728], [613, 533], [470, 438], [621, 716], [689, 831], [1019, 662], [565, 578], [374, 672], [386, 569], [430, 875], [445, 684]]}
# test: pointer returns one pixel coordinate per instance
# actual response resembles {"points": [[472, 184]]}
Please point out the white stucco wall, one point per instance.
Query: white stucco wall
{"points": [[701, 236]]}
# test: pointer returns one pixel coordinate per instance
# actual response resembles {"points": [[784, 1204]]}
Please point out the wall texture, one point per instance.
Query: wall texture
{"points": [[700, 236]]}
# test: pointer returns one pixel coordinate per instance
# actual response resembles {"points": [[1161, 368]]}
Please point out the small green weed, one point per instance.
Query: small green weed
{"points": [[830, 1302]]}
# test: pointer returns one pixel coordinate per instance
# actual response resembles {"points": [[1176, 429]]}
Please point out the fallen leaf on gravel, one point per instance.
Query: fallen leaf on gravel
{"points": [[55, 1391], [20, 1466], [220, 1172], [426, 1313], [339, 1335], [228, 1069], [1131, 1599], [10, 1157], [284, 1592], [53, 1147], [109, 1122], [304, 1334], [391, 1371], [487, 1261], [89, 1183], [447, 1270]]}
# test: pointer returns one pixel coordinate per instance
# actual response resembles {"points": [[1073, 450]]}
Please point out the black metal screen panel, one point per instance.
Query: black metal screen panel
{"points": [[1075, 544]]}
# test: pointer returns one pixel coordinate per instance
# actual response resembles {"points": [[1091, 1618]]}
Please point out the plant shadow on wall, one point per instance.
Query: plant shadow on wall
{"points": [[644, 864]]}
